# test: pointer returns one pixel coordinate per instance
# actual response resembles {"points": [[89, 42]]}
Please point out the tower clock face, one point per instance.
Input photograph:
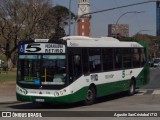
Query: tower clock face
{"points": [[83, 9]]}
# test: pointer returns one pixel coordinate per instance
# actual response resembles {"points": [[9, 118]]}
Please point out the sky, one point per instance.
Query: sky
{"points": [[144, 22]]}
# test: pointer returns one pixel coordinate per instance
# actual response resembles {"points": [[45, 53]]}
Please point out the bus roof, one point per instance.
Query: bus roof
{"points": [[83, 41]]}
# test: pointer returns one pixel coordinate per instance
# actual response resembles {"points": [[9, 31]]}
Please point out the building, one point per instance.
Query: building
{"points": [[158, 17], [83, 27], [115, 30]]}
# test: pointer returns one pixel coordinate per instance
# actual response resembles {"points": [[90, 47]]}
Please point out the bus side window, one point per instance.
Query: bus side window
{"points": [[85, 61], [77, 66], [143, 56], [108, 59], [70, 65], [136, 58], [118, 59], [127, 58], [95, 60]]}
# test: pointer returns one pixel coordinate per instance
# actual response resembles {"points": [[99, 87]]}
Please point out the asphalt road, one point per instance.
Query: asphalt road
{"points": [[154, 79], [143, 100]]}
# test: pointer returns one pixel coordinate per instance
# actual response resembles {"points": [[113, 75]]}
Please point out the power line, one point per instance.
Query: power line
{"points": [[114, 8], [101, 13]]}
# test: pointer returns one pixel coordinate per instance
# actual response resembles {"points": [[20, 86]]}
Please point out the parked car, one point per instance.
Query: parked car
{"points": [[156, 62]]}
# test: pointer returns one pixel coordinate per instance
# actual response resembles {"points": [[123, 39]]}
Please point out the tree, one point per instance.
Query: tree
{"points": [[25, 19], [151, 40], [9, 27], [18, 21], [37, 12], [61, 16]]}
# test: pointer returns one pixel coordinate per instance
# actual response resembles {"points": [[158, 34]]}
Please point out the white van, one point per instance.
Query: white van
{"points": [[156, 62]]}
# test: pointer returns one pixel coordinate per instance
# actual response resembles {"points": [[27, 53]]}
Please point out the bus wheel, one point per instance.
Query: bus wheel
{"points": [[131, 90], [91, 96]]}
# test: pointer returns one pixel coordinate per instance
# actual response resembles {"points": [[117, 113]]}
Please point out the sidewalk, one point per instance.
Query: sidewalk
{"points": [[7, 92]]}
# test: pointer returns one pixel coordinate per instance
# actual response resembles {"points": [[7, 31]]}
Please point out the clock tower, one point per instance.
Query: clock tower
{"points": [[84, 21]]}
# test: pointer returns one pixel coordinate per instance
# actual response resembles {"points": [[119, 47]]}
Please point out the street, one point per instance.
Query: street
{"points": [[145, 99], [154, 80]]}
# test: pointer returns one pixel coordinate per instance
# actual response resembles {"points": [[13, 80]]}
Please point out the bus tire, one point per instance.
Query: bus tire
{"points": [[132, 87], [91, 96]]}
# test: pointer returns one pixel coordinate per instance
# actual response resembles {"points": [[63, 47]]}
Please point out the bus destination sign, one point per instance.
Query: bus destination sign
{"points": [[42, 48]]}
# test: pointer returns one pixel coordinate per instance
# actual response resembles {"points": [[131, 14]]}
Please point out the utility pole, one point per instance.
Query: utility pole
{"points": [[116, 25], [69, 18]]}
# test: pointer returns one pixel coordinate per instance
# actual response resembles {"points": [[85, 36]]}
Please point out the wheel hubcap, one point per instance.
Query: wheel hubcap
{"points": [[89, 95], [132, 88]]}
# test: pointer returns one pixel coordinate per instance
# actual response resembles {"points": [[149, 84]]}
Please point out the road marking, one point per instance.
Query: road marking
{"points": [[140, 92], [147, 92], [156, 92]]}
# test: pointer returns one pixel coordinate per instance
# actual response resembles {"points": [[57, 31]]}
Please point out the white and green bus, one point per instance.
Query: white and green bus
{"points": [[77, 68]]}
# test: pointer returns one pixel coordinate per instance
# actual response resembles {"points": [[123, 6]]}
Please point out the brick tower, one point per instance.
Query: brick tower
{"points": [[84, 21]]}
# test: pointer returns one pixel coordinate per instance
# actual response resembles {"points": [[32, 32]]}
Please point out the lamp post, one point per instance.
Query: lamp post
{"points": [[69, 29], [135, 12], [130, 12]]}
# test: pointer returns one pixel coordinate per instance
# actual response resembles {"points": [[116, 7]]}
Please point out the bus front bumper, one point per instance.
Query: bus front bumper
{"points": [[39, 99]]}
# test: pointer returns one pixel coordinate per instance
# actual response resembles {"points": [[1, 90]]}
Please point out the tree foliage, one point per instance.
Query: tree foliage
{"points": [[152, 41], [61, 15], [25, 19]]}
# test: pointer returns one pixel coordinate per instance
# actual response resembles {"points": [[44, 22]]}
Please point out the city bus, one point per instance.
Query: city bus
{"points": [[78, 68]]}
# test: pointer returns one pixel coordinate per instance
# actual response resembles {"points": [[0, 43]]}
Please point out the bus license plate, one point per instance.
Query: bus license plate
{"points": [[39, 100]]}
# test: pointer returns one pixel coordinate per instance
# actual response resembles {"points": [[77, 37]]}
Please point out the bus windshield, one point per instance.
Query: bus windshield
{"points": [[42, 69]]}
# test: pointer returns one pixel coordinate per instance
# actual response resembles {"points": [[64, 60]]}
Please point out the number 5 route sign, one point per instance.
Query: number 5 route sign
{"points": [[42, 48]]}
